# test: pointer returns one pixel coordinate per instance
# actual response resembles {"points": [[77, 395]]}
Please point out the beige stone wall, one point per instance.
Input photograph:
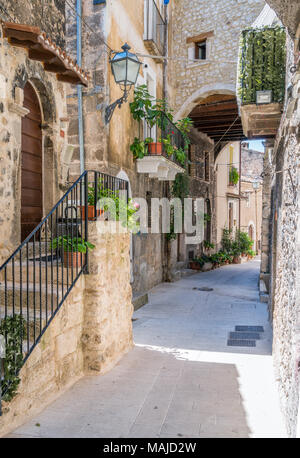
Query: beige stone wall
{"points": [[223, 189], [251, 212], [15, 70], [91, 331]]}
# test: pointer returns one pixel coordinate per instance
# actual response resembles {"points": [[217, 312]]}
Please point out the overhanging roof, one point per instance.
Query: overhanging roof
{"points": [[43, 49]]}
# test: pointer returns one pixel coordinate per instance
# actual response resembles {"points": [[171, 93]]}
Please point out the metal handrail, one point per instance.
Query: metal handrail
{"points": [[167, 130], [38, 277]]}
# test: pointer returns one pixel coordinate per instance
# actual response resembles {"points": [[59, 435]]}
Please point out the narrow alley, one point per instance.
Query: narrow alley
{"points": [[181, 379]]}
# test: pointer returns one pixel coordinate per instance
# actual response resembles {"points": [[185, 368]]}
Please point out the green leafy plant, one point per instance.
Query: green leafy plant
{"points": [[14, 330], [139, 147], [262, 63], [167, 142], [75, 244], [185, 125], [208, 246], [243, 241], [142, 106], [180, 155], [227, 240], [251, 253], [181, 186], [233, 176]]}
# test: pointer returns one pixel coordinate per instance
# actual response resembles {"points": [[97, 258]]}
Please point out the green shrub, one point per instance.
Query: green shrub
{"points": [[262, 63], [14, 330]]}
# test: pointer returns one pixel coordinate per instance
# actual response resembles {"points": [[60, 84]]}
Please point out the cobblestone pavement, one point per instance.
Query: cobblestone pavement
{"points": [[181, 379]]}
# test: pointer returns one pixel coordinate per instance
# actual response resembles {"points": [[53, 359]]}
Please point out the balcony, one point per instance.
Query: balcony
{"points": [[154, 28], [262, 80], [163, 158]]}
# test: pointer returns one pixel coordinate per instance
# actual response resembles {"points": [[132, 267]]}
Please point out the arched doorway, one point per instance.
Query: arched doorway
{"points": [[31, 164]]}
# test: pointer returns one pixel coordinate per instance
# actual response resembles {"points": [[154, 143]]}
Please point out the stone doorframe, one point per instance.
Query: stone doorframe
{"points": [[48, 113]]}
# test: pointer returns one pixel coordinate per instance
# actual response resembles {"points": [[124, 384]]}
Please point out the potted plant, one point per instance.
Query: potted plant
{"points": [[139, 147], [74, 249], [196, 264], [233, 176], [250, 254], [91, 202]]}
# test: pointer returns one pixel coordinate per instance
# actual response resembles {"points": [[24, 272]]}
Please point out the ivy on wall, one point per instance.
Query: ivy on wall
{"points": [[262, 63], [14, 330]]}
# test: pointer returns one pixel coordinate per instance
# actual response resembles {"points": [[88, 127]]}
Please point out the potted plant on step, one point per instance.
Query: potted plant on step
{"points": [[74, 249], [91, 202]]}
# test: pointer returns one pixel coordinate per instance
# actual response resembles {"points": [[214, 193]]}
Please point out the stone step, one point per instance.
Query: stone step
{"points": [[38, 298], [139, 300], [44, 272]]}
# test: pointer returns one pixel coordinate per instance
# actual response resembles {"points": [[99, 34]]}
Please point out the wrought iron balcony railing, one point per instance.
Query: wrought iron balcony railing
{"points": [[154, 27], [262, 64], [169, 143]]}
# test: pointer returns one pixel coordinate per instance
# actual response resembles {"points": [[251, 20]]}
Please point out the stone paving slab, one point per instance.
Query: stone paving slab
{"points": [[181, 379]]}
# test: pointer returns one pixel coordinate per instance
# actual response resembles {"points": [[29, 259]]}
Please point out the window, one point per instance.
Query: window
{"points": [[200, 50], [206, 166]]}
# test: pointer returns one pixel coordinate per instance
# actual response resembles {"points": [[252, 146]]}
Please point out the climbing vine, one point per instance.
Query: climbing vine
{"points": [[13, 328], [262, 63]]}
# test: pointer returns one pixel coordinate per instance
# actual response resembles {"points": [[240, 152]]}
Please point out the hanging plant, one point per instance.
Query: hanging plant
{"points": [[233, 176]]}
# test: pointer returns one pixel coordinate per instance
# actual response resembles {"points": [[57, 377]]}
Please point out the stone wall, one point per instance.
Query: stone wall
{"points": [[15, 70], [284, 251], [91, 331]]}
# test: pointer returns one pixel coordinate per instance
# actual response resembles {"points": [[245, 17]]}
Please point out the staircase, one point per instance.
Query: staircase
{"points": [[39, 275]]}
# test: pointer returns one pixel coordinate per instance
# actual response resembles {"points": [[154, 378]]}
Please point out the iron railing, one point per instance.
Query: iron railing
{"points": [[37, 278], [154, 25], [169, 143]]}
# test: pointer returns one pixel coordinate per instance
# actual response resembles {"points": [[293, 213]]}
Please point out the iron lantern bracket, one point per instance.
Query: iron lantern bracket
{"points": [[109, 111]]}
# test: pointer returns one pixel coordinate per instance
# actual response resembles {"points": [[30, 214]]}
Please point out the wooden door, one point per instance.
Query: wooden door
{"points": [[31, 164]]}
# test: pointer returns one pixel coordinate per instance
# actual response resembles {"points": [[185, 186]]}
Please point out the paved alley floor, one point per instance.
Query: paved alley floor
{"points": [[181, 379]]}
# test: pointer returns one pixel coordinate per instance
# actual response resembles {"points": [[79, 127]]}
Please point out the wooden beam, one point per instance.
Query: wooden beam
{"points": [[219, 126], [213, 109]]}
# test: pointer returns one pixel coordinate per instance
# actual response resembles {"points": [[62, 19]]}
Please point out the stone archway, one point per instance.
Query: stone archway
{"points": [[203, 93]]}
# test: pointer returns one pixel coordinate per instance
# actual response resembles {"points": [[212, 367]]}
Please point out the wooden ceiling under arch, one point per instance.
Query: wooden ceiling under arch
{"points": [[218, 117]]}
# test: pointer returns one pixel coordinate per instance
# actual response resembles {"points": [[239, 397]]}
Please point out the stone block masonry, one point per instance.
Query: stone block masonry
{"points": [[89, 334]]}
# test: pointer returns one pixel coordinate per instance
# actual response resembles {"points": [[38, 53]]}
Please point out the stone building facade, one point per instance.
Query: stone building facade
{"points": [[16, 70], [280, 226]]}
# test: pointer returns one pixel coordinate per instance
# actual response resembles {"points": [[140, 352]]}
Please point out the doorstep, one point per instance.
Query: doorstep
{"points": [[139, 300]]}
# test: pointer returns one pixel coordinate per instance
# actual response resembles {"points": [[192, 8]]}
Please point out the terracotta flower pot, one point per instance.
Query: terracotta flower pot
{"points": [[73, 258], [237, 260], [155, 148], [91, 212], [195, 265]]}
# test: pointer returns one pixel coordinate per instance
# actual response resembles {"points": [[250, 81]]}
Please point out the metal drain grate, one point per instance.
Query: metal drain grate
{"points": [[204, 288], [241, 343], [249, 328], [244, 335]]}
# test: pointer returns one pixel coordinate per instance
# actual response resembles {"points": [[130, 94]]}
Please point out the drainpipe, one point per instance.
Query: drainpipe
{"points": [[240, 160], [79, 87]]}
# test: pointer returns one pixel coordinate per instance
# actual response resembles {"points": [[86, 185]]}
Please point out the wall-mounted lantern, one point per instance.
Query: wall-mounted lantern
{"points": [[125, 67]]}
